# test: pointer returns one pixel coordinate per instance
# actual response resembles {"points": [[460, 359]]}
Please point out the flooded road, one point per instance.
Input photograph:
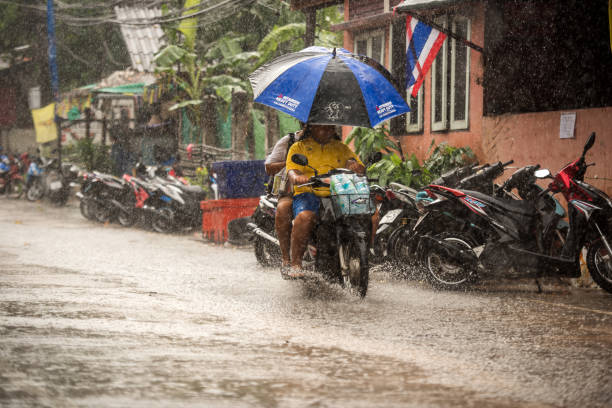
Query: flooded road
{"points": [[94, 315]]}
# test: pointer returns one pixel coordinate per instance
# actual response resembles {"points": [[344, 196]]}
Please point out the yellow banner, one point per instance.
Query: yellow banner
{"points": [[44, 123], [610, 19]]}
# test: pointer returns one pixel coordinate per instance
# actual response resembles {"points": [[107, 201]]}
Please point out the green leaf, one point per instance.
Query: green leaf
{"points": [[183, 104], [169, 56], [278, 36]]}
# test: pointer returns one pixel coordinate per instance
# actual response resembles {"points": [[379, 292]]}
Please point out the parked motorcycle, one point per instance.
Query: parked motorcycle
{"points": [[58, 180], [397, 208], [11, 179], [96, 195], [498, 233], [34, 187], [166, 202], [475, 177]]}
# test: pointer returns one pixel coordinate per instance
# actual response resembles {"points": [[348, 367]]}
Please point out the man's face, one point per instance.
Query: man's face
{"points": [[322, 133]]}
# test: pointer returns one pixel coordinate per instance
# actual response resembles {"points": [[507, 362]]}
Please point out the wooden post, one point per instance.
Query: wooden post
{"points": [[87, 123], [240, 124], [209, 120], [104, 125], [272, 127], [311, 23], [58, 125]]}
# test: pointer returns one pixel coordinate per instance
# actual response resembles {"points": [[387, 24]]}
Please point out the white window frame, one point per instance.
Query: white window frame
{"points": [[368, 35], [441, 58], [418, 126], [460, 124], [448, 109]]}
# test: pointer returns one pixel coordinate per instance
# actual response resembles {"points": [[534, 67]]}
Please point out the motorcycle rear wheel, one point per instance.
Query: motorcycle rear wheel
{"points": [[358, 274], [599, 262], [267, 253], [36, 191], [445, 271], [15, 189], [102, 213]]}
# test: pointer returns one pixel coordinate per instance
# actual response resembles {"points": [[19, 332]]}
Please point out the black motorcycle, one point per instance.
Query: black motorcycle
{"points": [[475, 177], [97, 192], [341, 236], [498, 233]]}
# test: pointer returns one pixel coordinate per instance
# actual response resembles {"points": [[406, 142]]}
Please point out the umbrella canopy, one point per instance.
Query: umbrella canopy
{"points": [[323, 86]]}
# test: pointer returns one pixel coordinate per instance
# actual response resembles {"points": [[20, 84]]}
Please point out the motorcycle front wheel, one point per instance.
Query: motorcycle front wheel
{"points": [[163, 221], [102, 213], [88, 208], [447, 270], [125, 218], [355, 266], [36, 191], [599, 262], [267, 253]]}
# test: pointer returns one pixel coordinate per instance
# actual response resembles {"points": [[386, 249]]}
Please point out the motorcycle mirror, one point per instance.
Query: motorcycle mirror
{"points": [[542, 173], [589, 143], [299, 159]]}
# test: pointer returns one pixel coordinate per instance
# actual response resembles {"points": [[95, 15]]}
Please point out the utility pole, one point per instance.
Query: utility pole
{"points": [[54, 75]]}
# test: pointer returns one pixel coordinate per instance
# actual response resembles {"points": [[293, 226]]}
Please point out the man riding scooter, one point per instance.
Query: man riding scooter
{"points": [[324, 152]]}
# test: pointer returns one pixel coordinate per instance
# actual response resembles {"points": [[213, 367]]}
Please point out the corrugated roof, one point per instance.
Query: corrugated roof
{"points": [[424, 4], [143, 42]]}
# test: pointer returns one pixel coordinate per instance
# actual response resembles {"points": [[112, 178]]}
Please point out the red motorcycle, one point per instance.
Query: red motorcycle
{"points": [[590, 214], [11, 178]]}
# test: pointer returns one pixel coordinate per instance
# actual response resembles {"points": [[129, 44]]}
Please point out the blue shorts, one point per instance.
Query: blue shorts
{"points": [[305, 202]]}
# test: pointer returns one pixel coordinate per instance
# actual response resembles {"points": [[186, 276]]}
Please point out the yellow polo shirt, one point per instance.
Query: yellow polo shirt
{"points": [[324, 158]]}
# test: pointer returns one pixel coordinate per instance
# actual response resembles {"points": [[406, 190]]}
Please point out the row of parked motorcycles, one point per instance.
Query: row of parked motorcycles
{"points": [[464, 227], [37, 178], [151, 197]]}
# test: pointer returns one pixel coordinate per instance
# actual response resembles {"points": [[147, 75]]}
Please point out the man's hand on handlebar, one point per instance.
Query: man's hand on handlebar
{"points": [[353, 165], [300, 179]]}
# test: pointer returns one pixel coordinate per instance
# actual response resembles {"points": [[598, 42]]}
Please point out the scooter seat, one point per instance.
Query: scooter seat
{"points": [[516, 206], [191, 189]]}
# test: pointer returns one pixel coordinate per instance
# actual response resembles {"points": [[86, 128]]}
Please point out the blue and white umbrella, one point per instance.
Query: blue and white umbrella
{"points": [[323, 86]]}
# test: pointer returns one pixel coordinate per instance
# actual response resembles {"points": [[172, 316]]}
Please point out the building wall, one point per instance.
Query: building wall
{"points": [[533, 138], [419, 143], [18, 140]]}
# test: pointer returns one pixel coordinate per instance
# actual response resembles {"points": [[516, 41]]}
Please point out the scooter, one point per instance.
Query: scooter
{"points": [[500, 233], [11, 180], [341, 236]]}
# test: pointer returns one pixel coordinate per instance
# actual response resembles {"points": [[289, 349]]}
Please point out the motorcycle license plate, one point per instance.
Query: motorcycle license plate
{"points": [[390, 216], [56, 185]]}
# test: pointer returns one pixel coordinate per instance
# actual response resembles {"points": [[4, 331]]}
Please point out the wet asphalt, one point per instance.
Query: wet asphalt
{"points": [[102, 316]]}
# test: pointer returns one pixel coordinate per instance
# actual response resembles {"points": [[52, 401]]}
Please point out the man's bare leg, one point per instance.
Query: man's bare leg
{"points": [[302, 226], [282, 224]]}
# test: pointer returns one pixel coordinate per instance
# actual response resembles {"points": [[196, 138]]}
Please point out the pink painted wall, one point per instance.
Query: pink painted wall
{"points": [[526, 138], [533, 138], [419, 143]]}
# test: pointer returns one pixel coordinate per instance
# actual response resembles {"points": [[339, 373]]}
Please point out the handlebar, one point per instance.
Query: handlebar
{"points": [[507, 163]]}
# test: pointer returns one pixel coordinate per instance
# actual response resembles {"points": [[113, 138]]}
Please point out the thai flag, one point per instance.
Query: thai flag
{"points": [[422, 45]]}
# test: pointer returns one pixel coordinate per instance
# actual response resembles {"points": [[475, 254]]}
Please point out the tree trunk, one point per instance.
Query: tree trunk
{"points": [[272, 127], [240, 124], [311, 23], [209, 120]]}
